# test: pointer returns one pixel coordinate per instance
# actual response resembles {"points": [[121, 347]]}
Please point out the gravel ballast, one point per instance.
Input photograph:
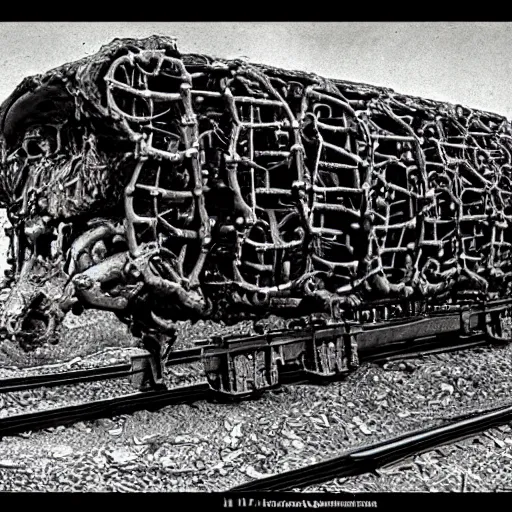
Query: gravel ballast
{"points": [[215, 446]]}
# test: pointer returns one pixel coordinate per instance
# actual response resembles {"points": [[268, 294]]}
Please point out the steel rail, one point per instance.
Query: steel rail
{"points": [[65, 378], [419, 348], [89, 375], [126, 404], [370, 458], [388, 352]]}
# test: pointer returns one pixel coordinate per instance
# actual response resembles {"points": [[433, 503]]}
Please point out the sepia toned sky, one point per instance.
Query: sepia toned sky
{"points": [[461, 62]]}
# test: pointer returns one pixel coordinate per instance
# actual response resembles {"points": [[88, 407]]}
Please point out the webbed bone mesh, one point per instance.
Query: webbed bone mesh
{"points": [[240, 190]]}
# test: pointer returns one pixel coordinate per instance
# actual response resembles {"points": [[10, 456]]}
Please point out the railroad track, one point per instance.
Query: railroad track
{"points": [[152, 400], [423, 347], [370, 458], [71, 377], [402, 350], [352, 463], [125, 404]]}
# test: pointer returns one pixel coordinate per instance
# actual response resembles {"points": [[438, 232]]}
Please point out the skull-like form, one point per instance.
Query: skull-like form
{"points": [[74, 148]]}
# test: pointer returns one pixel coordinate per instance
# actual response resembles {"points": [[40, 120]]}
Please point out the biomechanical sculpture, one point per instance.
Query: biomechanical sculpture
{"points": [[166, 187]]}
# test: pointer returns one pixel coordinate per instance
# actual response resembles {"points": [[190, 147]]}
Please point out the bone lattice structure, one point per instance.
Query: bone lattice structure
{"points": [[185, 187]]}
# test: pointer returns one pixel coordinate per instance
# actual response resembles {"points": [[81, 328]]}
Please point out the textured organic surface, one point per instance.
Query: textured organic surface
{"points": [[163, 186]]}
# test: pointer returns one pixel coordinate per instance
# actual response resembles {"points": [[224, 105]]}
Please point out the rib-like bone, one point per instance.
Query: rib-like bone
{"points": [[222, 185]]}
